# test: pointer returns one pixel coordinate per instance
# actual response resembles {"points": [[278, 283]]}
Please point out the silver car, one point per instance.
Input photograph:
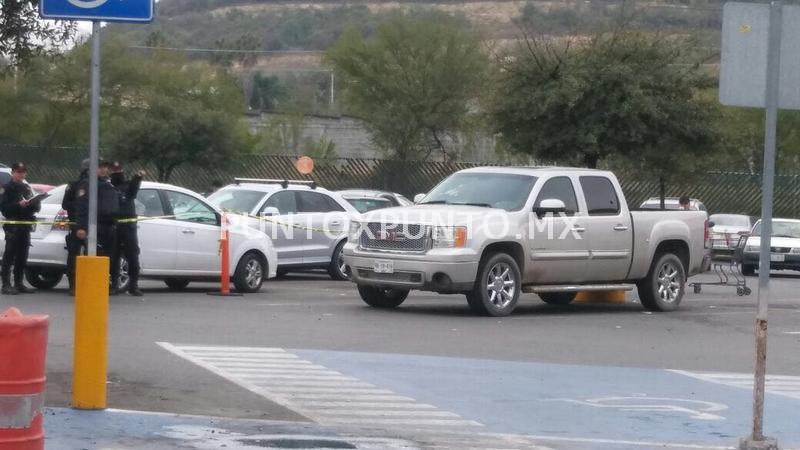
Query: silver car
{"points": [[308, 224]]}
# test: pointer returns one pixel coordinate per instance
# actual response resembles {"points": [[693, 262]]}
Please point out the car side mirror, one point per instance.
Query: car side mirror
{"points": [[270, 211], [418, 198], [550, 206]]}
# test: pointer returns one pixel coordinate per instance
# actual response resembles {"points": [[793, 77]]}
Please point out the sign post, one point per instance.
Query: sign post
{"points": [[753, 73]]}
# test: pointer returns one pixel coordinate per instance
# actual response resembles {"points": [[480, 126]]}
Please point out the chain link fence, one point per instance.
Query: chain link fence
{"points": [[729, 192]]}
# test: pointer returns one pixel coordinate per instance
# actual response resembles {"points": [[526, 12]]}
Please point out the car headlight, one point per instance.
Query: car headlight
{"points": [[449, 237], [354, 232], [752, 249]]}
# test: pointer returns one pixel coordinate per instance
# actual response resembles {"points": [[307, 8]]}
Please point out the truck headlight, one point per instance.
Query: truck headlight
{"points": [[752, 249], [354, 232], [449, 237]]}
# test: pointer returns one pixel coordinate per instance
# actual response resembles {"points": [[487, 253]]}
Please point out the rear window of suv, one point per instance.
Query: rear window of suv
{"points": [[236, 200]]}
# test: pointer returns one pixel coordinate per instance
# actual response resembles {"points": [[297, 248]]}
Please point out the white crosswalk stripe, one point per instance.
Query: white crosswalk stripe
{"points": [[324, 395], [785, 385]]}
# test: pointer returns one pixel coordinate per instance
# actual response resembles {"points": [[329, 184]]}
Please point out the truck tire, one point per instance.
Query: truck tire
{"points": [[176, 284], [337, 269], [249, 275], [748, 270], [663, 287], [42, 278], [558, 298], [385, 298], [497, 288]]}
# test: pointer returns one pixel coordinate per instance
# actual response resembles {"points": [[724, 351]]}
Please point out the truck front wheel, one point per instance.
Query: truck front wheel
{"points": [[497, 289], [663, 287], [378, 297]]}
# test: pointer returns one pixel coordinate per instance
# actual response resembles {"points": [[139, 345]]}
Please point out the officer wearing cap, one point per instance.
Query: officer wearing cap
{"points": [[107, 210], [75, 246], [17, 206], [127, 235]]}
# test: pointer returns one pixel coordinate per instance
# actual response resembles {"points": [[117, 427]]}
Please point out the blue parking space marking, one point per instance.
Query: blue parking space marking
{"points": [[603, 403]]}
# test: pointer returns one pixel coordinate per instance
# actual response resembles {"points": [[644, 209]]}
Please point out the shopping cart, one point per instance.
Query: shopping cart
{"points": [[728, 268]]}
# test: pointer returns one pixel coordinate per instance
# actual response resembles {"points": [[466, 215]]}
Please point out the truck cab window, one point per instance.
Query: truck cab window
{"points": [[559, 188], [601, 197]]}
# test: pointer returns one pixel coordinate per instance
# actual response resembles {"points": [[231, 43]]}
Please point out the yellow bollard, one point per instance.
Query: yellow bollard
{"points": [[612, 297], [91, 331]]}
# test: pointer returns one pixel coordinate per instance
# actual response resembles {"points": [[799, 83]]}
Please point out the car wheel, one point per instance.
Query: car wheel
{"points": [[44, 279], [378, 297], [176, 284], [338, 269], [558, 298], [748, 270], [249, 275], [497, 289], [663, 287], [124, 278]]}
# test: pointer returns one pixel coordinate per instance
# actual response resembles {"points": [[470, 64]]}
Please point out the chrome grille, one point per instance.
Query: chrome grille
{"points": [[394, 237]]}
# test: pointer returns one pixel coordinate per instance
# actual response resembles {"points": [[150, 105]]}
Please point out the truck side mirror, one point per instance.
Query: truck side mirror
{"points": [[550, 206], [418, 198], [270, 211]]}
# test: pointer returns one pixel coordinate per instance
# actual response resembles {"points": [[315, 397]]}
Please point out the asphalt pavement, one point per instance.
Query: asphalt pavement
{"points": [[307, 350]]}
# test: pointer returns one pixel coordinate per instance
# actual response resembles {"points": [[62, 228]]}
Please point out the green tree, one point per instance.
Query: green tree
{"points": [[23, 35], [622, 93], [412, 83]]}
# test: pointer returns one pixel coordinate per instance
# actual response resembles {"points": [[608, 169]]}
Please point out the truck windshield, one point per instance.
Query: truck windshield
{"points": [[780, 229], [493, 190]]}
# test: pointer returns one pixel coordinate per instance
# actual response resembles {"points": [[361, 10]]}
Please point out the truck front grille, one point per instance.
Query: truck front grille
{"points": [[394, 237]]}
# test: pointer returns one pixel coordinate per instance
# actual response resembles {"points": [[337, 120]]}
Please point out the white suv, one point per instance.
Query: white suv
{"points": [[178, 237], [307, 224]]}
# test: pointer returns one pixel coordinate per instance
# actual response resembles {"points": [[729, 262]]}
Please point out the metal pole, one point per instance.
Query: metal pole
{"points": [[333, 81], [94, 138], [767, 188]]}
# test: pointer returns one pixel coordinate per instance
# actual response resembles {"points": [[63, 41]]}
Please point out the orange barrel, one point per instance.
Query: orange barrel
{"points": [[23, 344]]}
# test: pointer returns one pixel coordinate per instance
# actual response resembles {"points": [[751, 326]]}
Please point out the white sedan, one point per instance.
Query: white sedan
{"points": [[179, 239]]}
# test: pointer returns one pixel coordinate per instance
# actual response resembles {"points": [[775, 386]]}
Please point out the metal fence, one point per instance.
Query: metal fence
{"points": [[720, 191]]}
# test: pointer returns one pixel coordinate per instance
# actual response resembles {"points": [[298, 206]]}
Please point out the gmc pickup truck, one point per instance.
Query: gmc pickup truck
{"points": [[491, 233]]}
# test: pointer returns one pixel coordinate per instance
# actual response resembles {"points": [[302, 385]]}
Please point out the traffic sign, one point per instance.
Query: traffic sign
{"points": [[103, 10]]}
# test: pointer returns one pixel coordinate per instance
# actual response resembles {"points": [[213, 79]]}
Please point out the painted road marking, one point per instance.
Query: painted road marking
{"points": [[321, 394], [784, 385], [695, 409]]}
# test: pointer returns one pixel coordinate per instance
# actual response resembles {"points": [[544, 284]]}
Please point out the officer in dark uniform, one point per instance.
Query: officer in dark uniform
{"points": [[16, 206], [127, 227], [75, 246], [107, 211]]}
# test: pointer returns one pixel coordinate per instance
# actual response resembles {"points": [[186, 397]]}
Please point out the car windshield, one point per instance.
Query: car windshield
{"points": [[780, 228], [368, 204], [730, 220], [493, 190], [236, 200]]}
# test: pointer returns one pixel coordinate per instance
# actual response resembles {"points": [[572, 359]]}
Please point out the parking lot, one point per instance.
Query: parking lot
{"points": [[584, 374]]}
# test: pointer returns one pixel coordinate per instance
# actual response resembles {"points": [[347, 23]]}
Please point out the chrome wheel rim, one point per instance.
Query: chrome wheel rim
{"points": [[340, 263], [124, 277], [500, 285], [253, 273], [669, 286]]}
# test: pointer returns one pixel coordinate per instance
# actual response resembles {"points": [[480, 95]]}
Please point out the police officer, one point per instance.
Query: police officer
{"points": [[127, 226], [17, 206], [107, 210], [75, 246]]}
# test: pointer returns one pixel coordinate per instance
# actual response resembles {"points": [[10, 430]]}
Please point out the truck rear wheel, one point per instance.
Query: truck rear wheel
{"points": [[558, 298], [497, 288], [379, 297], [663, 287]]}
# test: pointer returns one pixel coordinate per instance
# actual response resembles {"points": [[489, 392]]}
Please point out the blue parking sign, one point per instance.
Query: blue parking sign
{"points": [[104, 10]]}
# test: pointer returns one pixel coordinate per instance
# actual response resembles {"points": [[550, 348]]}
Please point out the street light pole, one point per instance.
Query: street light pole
{"points": [[94, 139]]}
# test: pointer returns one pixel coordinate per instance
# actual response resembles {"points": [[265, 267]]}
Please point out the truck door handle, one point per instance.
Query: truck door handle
{"points": [[621, 228], [336, 223], [578, 229], [187, 232]]}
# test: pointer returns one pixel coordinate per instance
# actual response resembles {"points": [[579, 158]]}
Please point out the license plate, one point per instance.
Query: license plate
{"points": [[777, 258], [382, 266]]}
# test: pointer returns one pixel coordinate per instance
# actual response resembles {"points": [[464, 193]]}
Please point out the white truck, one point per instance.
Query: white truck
{"points": [[493, 232]]}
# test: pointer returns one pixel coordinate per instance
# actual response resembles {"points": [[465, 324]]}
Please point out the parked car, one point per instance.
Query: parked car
{"points": [[725, 232], [493, 232], [672, 203], [368, 200], [784, 246], [308, 224], [179, 239], [40, 188]]}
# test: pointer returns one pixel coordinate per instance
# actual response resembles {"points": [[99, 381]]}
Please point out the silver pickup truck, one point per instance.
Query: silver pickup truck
{"points": [[493, 232]]}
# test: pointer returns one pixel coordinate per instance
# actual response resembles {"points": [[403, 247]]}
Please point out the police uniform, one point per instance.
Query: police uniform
{"points": [[18, 235], [127, 244], [75, 245], [107, 210]]}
